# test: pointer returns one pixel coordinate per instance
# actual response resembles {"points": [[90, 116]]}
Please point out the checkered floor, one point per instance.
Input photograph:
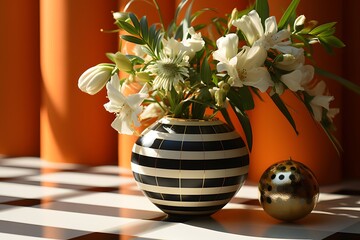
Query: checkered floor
{"points": [[39, 200]]}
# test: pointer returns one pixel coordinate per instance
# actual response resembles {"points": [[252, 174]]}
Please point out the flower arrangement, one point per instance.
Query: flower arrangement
{"points": [[186, 75]]}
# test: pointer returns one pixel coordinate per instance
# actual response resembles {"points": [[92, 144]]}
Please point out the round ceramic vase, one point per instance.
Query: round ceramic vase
{"points": [[189, 167]]}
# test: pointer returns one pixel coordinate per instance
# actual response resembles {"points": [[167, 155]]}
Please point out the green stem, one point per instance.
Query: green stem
{"points": [[160, 14]]}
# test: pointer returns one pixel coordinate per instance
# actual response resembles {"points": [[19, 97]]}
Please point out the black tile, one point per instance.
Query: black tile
{"points": [[343, 236]]}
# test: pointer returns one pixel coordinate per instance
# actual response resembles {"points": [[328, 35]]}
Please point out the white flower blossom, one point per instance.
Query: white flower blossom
{"points": [[292, 59], [250, 25], [297, 79], [94, 79], [245, 67], [188, 46], [320, 101], [168, 71], [126, 108], [153, 110]]}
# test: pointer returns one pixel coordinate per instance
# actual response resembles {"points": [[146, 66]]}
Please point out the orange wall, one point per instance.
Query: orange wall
{"points": [[76, 128], [19, 78], [74, 125]]}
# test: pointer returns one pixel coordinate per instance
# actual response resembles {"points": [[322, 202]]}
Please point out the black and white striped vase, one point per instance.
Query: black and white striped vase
{"points": [[189, 167]]}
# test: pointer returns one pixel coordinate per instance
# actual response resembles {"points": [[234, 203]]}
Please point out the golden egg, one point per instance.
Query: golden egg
{"points": [[288, 190]]}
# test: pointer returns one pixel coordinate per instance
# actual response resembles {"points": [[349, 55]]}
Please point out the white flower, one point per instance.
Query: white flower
{"points": [[320, 101], [153, 110], [169, 71], [245, 67], [94, 78], [193, 44], [250, 25], [292, 59], [188, 46], [297, 79], [126, 108]]}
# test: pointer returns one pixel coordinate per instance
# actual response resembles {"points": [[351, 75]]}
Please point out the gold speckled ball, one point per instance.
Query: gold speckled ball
{"points": [[288, 190]]}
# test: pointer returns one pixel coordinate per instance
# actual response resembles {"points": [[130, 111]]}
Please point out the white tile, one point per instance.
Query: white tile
{"points": [[60, 219], [84, 179], [114, 200], [10, 172], [8, 236], [110, 170], [35, 162], [31, 191], [186, 231]]}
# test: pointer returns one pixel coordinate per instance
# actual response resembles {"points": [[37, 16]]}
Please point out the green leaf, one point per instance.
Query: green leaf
{"points": [[242, 98], [282, 107], [132, 39], [245, 124], [332, 41], [135, 21], [322, 28], [290, 11], [226, 116], [198, 108], [205, 71], [127, 27], [346, 83], [332, 138], [144, 27], [262, 8]]}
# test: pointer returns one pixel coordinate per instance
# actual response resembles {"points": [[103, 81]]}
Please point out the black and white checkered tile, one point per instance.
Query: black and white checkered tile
{"points": [[39, 200]]}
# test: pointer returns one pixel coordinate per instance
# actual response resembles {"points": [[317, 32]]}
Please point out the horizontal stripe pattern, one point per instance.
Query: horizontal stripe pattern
{"points": [[188, 191], [189, 167], [189, 183], [164, 163], [218, 173], [189, 155]]}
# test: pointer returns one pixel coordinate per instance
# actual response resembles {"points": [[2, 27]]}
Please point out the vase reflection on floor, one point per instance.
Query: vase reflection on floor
{"points": [[189, 167]]}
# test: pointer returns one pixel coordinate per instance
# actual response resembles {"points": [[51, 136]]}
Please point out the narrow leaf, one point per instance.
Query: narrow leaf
{"points": [[132, 39], [134, 20], [245, 124], [205, 71], [128, 27], [322, 28], [346, 83], [282, 107], [144, 28], [242, 98], [262, 8], [288, 13]]}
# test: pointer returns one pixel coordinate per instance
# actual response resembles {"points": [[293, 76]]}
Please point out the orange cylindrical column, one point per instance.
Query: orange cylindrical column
{"points": [[19, 78], [140, 8], [351, 101], [274, 139], [74, 125]]}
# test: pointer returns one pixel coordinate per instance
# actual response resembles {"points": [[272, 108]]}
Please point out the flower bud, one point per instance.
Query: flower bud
{"points": [[122, 62], [299, 23], [233, 17], [94, 79], [143, 76], [122, 16]]}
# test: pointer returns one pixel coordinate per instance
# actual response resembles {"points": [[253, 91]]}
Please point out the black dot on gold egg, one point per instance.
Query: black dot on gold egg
{"points": [[281, 177], [268, 200], [293, 168], [292, 177], [282, 168], [269, 188], [273, 176]]}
